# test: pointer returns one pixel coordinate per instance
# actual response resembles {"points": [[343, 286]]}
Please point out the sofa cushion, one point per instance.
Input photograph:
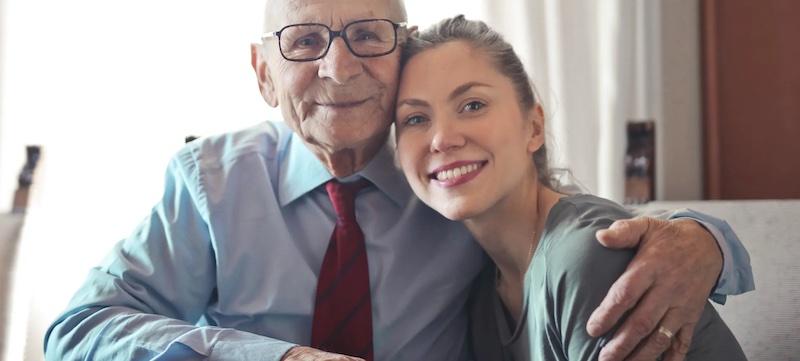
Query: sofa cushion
{"points": [[766, 321]]}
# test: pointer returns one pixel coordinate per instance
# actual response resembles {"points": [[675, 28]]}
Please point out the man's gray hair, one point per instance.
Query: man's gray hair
{"points": [[480, 36], [397, 12]]}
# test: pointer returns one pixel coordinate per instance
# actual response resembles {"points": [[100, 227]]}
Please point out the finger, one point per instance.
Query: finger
{"points": [[622, 296], [681, 343], [661, 338], [624, 233], [303, 353], [334, 357], [338, 357], [637, 326]]}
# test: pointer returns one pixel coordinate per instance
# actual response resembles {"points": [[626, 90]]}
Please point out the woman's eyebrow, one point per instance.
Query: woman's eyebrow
{"points": [[461, 89], [413, 102]]}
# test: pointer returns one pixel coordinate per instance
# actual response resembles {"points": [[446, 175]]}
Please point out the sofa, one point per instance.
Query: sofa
{"points": [[766, 321]]}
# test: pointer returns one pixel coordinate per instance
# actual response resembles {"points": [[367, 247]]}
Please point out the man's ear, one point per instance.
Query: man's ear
{"points": [[535, 118], [409, 32], [265, 83]]}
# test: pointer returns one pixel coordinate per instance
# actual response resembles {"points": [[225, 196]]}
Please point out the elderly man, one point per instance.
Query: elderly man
{"points": [[254, 252]]}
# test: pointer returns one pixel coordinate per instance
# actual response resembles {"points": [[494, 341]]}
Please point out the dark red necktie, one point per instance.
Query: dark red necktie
{"points": [[343, 311]]}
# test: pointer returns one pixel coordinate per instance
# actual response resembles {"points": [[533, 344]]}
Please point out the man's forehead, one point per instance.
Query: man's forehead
{"points": [[294, 6], [331, 12]]}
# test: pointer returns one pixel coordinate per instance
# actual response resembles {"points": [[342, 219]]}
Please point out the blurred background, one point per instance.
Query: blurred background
{"points": [[664, 100]]}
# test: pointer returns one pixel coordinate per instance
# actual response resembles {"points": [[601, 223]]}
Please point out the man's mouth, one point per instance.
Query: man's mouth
{"points": [[343, 104]]}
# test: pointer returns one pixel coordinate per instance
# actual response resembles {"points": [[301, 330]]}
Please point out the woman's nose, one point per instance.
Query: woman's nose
{"points": [[446, 137]]}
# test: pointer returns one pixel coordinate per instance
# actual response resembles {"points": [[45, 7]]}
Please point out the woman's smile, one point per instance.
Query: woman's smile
{"points": [[456, 173]]}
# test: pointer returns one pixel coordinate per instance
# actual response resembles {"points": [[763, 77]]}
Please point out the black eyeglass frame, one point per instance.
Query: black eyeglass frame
{"points": [[332, 36]]}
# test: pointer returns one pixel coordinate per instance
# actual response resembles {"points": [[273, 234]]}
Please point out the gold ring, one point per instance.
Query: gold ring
{"points": [[664, 331]]}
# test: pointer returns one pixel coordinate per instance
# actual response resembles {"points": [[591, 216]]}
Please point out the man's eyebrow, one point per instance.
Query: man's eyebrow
{"points": [[461, 89]]}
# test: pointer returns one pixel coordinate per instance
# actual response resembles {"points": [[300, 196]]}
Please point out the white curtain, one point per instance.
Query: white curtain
{"points": [[110, 90], [592, 63]]}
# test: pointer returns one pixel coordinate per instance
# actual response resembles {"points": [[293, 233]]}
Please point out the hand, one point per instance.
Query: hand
{"points": [[666, 285], [302, 353]]}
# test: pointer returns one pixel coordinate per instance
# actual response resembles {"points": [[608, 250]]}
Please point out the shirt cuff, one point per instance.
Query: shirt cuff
{"points": [[224, 344], [250, 347], [727, 264]]}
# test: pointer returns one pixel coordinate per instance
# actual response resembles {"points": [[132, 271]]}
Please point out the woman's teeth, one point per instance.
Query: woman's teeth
{"points": [[456, 172]]}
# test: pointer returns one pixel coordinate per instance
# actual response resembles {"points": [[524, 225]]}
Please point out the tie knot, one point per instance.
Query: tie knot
{"points": [[342, 196]]}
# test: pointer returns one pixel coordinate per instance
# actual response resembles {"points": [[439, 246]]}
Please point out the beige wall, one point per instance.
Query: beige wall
{"points": [[679, 148], [2, 58]]}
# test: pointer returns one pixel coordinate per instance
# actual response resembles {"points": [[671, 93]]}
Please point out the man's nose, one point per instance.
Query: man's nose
{"points": [[340, 64], [446, 137]]}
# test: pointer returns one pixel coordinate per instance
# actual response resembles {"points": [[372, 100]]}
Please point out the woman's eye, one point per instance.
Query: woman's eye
{"points": [[414, 120], [473, 106]]}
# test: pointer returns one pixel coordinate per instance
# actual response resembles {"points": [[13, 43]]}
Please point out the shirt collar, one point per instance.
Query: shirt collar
{"points": [[302, 172], [386, 175]]}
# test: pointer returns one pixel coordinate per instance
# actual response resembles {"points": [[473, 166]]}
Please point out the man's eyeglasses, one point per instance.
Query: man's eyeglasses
{"points": [[310, 41]]}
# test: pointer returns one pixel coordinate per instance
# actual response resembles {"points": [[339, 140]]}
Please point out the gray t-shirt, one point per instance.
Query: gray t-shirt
{"points": [[567, 279]]}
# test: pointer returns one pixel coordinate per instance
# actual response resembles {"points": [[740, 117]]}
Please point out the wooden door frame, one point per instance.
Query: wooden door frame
{"points": [[710, 86]]}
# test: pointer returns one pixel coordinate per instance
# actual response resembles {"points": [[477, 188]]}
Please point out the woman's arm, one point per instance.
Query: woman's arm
{"points": [[579, 273]]}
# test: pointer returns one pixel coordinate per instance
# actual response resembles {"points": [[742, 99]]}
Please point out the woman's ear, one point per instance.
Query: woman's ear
{"points": [[535, 118], [265, 84]]}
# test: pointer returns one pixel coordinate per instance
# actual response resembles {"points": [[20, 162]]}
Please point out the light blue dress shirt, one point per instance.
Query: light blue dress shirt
{"points": [[225, 267]]}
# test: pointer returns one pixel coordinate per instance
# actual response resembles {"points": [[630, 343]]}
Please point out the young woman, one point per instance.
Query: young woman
{"points": [[471, 141]]}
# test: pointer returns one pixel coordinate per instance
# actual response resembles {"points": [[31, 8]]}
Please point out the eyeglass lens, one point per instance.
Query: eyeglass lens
{"points": [[364, 38]]}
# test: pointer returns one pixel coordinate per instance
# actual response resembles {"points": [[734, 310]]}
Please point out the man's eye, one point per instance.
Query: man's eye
{"points": [[473, 106], [365, 36], [307, 42]]}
